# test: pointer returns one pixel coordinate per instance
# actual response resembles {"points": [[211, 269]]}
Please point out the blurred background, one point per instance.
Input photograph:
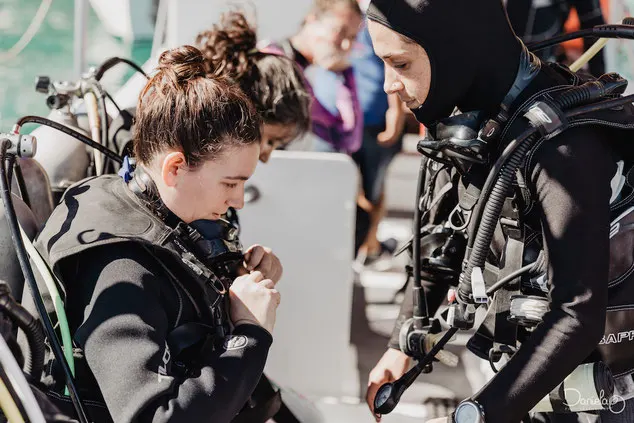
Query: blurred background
{"points": [[50, 52]]}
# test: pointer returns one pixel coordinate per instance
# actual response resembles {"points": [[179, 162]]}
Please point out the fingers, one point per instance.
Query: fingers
{"points": [[270, 285], [267, 283], [262, 259], [276, 274], [256, 276], [373, 388], [264, 265], [254, 256]]}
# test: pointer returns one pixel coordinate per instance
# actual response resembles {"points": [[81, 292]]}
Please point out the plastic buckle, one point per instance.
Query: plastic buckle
{"points": [[478, 287], [548, 119]]}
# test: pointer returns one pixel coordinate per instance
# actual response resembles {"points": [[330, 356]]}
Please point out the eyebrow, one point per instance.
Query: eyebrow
{"points": [[398, 53], [237, 178]]}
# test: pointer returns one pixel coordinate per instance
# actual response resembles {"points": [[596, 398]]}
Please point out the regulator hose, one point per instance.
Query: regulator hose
{"points": [[112, 62], [77, 135], [625, 30], [32, 329]]}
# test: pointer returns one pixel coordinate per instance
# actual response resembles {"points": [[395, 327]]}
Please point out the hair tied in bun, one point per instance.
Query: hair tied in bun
{"points": [[182, 64]]}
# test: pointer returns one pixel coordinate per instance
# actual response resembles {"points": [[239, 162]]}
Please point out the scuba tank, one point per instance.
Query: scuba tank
{"points": [[65, 160]]}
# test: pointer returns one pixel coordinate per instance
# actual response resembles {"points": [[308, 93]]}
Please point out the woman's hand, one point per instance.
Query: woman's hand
{"points": [[254, 300], [262, 259], [439, 420], [390, 367]]}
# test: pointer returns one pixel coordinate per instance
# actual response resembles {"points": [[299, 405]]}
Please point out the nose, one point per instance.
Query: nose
{"points": [[392, 84], [236, 200], [265, 152]]}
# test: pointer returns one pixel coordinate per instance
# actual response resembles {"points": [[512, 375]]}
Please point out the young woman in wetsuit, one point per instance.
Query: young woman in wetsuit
{"points": [[197, 137]]}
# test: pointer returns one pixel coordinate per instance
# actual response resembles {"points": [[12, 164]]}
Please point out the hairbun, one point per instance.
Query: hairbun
{"points": [[228, 46], [182, 64]]}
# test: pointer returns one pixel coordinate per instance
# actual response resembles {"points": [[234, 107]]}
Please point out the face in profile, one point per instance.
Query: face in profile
{"points": [[407, 66], [208, 190], [274, 136], [333, 34]]}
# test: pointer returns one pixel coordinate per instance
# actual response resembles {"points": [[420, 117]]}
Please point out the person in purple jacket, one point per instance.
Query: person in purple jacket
{"points": [[325, 40]]}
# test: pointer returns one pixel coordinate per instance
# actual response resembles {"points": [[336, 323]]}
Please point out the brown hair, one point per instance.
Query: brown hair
{"points": [[273, 82], [183, 109]]}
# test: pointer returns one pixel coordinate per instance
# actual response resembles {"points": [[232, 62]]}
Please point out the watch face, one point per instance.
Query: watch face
{"points": [[468, 413], [383, 395]]}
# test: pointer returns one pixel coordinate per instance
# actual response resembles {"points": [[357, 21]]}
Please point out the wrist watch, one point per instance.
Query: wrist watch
{"points": [[468, 411]]}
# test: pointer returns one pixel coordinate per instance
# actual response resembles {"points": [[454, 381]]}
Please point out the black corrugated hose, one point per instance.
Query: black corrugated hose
{"points": [[31, 328]]}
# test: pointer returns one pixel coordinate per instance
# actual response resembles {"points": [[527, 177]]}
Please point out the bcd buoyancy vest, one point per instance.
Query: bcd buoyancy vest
{"points": [[125, 216], [522, 243]]}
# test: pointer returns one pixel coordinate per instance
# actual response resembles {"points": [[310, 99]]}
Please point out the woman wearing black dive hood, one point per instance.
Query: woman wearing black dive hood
{"points": [[442, 54]]}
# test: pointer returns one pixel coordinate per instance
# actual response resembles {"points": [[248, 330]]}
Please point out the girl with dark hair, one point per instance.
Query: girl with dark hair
{"points": [[130, 258], [273, 82]]}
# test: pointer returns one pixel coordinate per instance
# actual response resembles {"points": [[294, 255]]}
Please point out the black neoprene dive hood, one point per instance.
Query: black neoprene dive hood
{"points": [[473, 52]]}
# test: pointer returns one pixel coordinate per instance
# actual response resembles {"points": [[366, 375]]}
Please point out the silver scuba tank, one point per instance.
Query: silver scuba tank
{"points": [[64, 159]]}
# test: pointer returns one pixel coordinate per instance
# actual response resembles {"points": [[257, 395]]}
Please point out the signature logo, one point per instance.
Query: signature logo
{"points": [[574, 399]]}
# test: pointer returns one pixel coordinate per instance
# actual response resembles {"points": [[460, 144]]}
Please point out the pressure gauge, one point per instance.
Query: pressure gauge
{"points": [[385, 400]]}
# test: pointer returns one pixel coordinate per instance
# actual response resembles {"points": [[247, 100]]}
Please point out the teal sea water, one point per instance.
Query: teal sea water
{"points": [[50, 53]]}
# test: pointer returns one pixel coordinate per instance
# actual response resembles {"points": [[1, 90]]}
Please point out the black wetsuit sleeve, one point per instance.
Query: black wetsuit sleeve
{"points": [[123, 335], [571, 181]]}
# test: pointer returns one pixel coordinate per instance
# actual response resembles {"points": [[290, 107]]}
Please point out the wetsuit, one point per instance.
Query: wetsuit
{"points": [[124, 296]]}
